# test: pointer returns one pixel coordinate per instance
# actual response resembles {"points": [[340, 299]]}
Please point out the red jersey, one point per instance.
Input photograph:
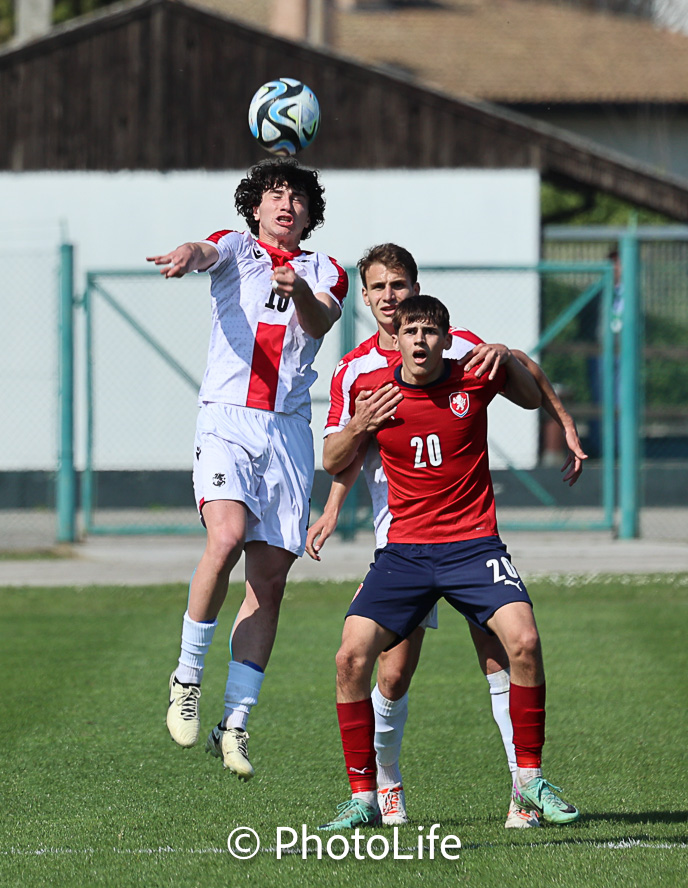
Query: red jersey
{"points": [[369, 356], [365, 358], [434, 453]]}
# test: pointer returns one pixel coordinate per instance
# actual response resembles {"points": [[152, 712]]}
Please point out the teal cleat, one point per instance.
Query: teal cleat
{"points": [[352, 814], [537, 793]]}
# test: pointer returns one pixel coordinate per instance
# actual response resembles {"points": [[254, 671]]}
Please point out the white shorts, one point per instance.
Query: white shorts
{"points": [[429, 621], [259, 458]]}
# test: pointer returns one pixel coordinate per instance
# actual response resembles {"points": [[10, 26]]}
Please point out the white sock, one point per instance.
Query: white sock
{"points": [[523, 775], [370, 798], [196, 639], [499, 697], [241, 693], [390, 721]]}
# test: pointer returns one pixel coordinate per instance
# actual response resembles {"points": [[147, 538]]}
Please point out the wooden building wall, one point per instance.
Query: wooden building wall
{"points": [[164, 85]]}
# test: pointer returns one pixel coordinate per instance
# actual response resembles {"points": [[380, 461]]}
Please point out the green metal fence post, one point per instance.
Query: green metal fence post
{"points": [[87, 476], [66, 475], [610, 396], [629, 391]]}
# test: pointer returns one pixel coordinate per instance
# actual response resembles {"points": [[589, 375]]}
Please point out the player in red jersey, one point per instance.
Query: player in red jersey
{"points": [[389, 275], [443, 543], [272, 303]]}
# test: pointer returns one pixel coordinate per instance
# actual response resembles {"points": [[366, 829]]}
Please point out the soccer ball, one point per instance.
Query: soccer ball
{"points": [[284, 116]]}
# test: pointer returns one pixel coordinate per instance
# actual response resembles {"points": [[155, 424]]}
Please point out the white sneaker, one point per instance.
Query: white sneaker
{"points": [[183, 720], [392, 803], [230, 745], [521, 818]]}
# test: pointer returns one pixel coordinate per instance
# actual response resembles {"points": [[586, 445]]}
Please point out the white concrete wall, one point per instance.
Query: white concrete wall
{"points": [[144, 413]]}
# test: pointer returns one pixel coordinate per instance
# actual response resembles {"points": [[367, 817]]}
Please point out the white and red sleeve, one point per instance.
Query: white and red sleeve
{"points": [[224, 242], [462, 342], [339, 413], [333, 280]]}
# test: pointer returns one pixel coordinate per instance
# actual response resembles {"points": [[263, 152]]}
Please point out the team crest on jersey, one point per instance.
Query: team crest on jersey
{"points": [[218, 479], [459, 403]]}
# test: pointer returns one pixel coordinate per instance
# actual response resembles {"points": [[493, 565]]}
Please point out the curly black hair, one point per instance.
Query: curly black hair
{"points": [[279, 171]]}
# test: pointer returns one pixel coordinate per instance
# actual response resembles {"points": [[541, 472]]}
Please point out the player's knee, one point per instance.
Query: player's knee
{"points": [[224, 550], [350, 664], [344, 661], [269, 600], [268, 588], [393, 681], [525, 646]]}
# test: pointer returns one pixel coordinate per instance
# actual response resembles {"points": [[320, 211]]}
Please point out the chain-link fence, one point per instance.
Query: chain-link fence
{"points": [[663, 390], [140, 349], [28, 398], [147, 341], [540, 311]]}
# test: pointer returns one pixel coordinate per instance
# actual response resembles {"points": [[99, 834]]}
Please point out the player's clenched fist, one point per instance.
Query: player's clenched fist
{"points": [[286, 282]]}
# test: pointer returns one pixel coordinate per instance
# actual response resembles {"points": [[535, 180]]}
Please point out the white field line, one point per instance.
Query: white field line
{"points": [[622, 845]]}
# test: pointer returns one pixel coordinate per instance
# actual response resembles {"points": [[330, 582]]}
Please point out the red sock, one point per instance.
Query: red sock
{"points": [[357, 727], [527, 710]]}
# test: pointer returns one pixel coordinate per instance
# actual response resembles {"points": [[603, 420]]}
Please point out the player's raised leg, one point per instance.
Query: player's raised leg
{"points": [[362, 641], [390, 704], [514, 624], [494, 664], [225, 522], [253, 637]]}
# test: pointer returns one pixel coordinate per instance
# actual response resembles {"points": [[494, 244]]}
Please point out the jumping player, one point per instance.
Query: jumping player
{"points": [[272, 303], [443, 542], [389, 275]]}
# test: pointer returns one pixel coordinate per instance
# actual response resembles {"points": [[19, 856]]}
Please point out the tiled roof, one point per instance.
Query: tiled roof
{"points": [[509, 51]]}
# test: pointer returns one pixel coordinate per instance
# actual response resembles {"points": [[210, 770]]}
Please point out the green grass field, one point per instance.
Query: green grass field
{"points": [[95, 793]]}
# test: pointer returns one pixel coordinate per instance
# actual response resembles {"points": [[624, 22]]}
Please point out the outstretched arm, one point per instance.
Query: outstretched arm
{"points": [[192, 256], [573, 466], [326, 525]]}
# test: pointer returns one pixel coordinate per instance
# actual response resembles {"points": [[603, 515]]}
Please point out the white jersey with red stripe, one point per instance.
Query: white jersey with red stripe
{"points": [[365, 358], [259, 355]]}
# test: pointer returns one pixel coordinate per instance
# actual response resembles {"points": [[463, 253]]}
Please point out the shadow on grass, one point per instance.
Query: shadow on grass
{"points": [[637, 817], [610, 817]]}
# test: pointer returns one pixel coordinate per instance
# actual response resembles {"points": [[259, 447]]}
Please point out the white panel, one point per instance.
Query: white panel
{"points": [[445, 217]]}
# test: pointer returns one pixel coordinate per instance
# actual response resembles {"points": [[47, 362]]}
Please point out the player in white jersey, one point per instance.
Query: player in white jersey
{"points": [[389, 275], [272, 303]]}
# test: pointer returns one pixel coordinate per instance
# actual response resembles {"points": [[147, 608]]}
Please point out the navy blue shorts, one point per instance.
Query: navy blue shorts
{"points": [[475, 576]]}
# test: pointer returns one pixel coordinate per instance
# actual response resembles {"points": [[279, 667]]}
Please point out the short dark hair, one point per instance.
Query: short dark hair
{"points": [[391, 256], [421, 308], [272, 173]]}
